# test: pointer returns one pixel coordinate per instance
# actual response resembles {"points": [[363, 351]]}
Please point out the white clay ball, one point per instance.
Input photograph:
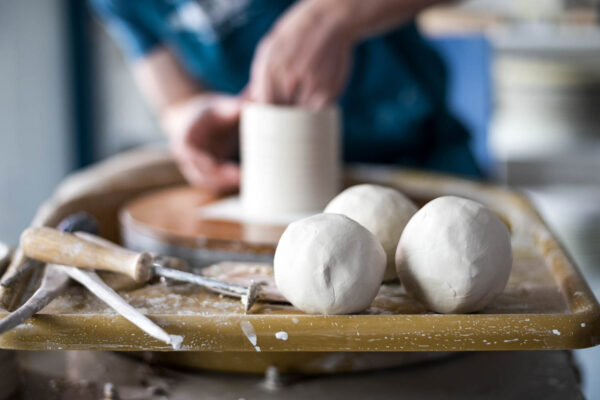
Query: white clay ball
{"points": [[382, 210], [454, 255], [329, 264]]}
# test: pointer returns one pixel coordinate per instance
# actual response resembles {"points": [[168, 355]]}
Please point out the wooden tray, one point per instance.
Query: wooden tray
{"points": [[546, 305]]}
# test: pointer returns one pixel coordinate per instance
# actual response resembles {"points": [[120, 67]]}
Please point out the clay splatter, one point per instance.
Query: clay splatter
{"points": [[248, 330]]}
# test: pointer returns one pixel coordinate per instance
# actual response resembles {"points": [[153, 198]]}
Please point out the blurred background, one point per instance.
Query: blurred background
{"points": [[525, 78]]}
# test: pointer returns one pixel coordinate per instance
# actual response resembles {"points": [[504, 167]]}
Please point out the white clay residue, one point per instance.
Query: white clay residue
{"points": [[281, 335], [248, 330], [230, 209], [75, 249], [176, 341]]}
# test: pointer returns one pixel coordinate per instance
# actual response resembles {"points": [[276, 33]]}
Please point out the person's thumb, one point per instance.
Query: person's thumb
{"points": [[227, 107]]}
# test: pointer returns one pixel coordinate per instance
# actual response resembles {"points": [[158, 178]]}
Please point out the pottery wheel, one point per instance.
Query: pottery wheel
{"points": [[175, 221]]}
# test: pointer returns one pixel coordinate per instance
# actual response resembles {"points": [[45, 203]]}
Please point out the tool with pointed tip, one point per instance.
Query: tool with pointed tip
{"points": [[92, 282], [89, 251], [56, 279], [53, 282]]}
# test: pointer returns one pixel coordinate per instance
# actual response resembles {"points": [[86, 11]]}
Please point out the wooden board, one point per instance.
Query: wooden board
{"points": [[546, 305]]}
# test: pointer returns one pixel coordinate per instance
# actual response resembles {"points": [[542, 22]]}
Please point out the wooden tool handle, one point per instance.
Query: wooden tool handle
{"points": [[56, 247]]}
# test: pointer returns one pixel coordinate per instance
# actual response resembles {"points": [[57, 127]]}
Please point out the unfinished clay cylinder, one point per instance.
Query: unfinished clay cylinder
{"points": [[290, 159]]}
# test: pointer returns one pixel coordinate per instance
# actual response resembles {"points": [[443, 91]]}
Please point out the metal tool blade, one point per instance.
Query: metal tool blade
{"points": [[96, 285], [53, 284], [248, 294]]}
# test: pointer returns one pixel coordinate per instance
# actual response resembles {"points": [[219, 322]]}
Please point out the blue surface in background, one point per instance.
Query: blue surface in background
{"points": [[468, 60]]}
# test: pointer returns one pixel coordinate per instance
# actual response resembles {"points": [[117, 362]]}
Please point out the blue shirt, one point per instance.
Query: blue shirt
{"points": [[394, 106]]}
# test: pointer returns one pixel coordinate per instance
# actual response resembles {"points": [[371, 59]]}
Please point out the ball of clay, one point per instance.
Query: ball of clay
{"points": [[454, 255], [329, 264], [382, 210]]}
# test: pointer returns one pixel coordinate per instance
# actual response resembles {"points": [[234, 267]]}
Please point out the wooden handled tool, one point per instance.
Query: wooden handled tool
{"points": [[88, 251], [56, 279], [56, 247]]}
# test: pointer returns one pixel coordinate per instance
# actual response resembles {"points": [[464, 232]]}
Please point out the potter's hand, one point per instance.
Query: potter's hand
{"points": [[305, 58], [203, 135]]}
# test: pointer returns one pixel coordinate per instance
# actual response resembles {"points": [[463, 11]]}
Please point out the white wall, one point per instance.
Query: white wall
{"points": [[34, 129]]}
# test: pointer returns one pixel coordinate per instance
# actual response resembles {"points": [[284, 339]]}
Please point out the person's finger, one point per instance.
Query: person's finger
{"points": [[244, 95], [254, 88], [190, 172], [306, 90], [262, 91], [227, 107], [208, 173], [223, 113], [318, 100], [198, 168], [260, 77], [285, 85], [228, 176]]}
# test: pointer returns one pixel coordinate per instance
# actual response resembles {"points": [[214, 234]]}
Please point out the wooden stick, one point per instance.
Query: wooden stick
{"points": [[94, 284], [52, 246]]}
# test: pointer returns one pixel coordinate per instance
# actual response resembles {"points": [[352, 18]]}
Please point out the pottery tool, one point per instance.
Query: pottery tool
{"points": [[53, 282], [56, 279], [89, 251], [11, 278], [77, 222], [94, 284]]}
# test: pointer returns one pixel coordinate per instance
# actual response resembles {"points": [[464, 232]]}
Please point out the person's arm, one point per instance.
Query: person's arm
{"points": [[161, 79], [201, 126], [305, 58], [364, 19]]}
